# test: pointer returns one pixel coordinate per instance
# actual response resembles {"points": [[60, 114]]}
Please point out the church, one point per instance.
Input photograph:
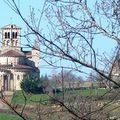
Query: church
{"points": [[15, 63]]}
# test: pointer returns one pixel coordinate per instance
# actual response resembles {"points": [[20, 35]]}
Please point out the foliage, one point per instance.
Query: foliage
{"points": [[9, 117], [34, 84], [45, 81]]}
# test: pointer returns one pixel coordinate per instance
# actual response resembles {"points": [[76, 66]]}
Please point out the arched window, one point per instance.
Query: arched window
{"points": [[15, 34], [8, 35], [5, 34]]}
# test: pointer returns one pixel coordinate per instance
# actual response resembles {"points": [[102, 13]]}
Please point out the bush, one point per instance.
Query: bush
{"points": [[32, 84]]}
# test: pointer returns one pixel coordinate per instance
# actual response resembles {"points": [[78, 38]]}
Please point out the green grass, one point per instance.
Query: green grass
{"points": [[85, 92], [18, 98], [88, 92], [4, 116]]}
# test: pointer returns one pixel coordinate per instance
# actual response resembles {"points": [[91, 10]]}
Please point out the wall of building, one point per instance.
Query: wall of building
{"points": [[13, 84], [12, 60], [15, 76], [36, 57], [18, 80]]}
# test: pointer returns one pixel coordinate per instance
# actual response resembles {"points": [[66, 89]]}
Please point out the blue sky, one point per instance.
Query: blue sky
{"points": [[8, 16]]}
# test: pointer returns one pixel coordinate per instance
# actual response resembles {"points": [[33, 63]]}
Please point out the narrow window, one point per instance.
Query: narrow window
{"points": [[5, 34], [15, 34], [8, 35]]}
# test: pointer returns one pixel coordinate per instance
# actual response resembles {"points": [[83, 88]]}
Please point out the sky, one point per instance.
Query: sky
{"points": [[8, 16]]}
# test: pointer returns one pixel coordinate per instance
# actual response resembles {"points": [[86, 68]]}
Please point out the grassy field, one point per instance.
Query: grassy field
{"points": [[4, 116], [19, 98], [85, 92], [88, 92]]}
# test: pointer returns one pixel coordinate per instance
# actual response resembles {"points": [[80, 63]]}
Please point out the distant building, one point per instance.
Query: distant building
{"points": [[15, 63]]}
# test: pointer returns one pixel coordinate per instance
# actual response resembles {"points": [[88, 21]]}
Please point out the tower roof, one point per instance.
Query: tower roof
{"points": [[11, 26]]}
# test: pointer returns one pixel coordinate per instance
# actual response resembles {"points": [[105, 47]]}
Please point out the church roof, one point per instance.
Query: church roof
{"points": [[16, 67], [4, 70], [11, 26], [12, 53]]}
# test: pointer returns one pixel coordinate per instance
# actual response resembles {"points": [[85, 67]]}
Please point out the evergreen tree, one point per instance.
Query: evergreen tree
{"points": [[34, 84]]}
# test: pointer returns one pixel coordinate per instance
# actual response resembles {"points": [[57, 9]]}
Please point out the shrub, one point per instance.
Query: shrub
{"points": [[32, 84]]}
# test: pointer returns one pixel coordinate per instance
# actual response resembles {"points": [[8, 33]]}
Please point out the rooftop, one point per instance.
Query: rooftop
{"points": [[12, 53], [11, 26]]}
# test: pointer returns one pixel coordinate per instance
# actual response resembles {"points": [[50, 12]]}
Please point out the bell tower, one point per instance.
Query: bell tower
{"points": [[11, 37], [36, 54]]}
